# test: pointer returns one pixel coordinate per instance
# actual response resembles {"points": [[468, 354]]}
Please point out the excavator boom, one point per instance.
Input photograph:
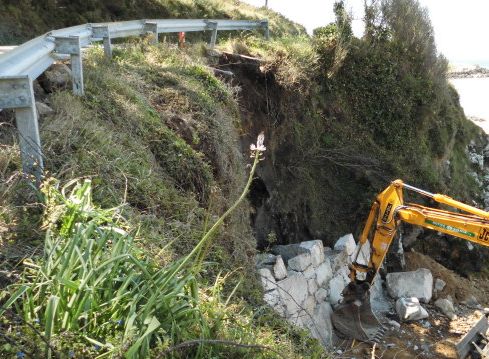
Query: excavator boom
{"points": [[354, 318]]}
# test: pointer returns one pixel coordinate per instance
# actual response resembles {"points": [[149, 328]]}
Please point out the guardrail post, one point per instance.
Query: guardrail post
{"points": [[213, 26], [266, 29], [16, 92], [151, 27], [71, 45], [103, 32]]}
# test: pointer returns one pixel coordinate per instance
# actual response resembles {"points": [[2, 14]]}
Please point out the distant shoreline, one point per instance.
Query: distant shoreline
{"points": [[477, 72]]}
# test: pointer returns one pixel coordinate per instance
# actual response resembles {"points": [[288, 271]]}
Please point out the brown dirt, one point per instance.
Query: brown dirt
{"points": [[457, 287]]}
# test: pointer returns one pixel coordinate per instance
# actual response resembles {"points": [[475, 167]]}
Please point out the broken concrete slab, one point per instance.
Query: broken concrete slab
{"points": [[409, 309], [346, 243], [417, 284], [279, 269]]}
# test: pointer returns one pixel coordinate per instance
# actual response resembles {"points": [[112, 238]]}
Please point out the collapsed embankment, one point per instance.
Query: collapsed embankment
{"points": [[161, 133]]}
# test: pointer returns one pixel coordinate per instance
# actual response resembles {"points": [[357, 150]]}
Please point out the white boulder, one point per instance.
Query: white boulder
{"points": [[279, 269], [267, 279], [324, 273], [293, 293], [346, 243], [300, 262], [315, 249], [335, 288], [410, 309], [320, 325], [417, 284], [337, 260]]}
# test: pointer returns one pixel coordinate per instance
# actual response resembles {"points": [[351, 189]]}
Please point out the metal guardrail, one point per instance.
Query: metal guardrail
{"points": [[20, 66]]}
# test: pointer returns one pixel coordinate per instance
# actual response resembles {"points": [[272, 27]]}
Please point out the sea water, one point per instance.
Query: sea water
{"points": [[474, 98]]}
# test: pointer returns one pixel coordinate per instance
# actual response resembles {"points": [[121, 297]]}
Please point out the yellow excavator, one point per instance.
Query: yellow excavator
{"points": [[354, 317]]}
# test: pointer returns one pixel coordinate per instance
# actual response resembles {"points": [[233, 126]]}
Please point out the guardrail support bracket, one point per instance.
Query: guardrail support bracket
{"points": [[103, 32], [72, 46], [151, 27], [266, 29], [213, 26], [16, 92]]}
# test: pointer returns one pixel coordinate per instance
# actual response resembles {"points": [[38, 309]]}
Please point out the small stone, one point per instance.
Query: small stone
{"points": [[471, 302], [56, 77], [300, 262], [279, 269], [409, 309], [394, 324], [439, 284], [416, 347], [43, 109], [346, 243], [446, 307], [426, 324]]}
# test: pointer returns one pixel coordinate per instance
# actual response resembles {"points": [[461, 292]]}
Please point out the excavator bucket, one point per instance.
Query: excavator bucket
{"points": [[354, 317]]}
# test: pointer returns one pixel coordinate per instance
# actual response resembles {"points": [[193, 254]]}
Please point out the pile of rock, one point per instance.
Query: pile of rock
{"points": [[303, 282]]}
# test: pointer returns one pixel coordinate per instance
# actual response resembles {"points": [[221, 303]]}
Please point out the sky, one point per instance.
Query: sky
{"points": [[461, 27]]}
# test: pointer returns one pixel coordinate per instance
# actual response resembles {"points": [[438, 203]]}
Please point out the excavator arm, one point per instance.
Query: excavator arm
{"points": [[354, 317]]}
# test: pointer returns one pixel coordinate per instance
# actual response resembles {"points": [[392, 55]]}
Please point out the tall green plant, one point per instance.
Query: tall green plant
{"points": [[93, 281]]}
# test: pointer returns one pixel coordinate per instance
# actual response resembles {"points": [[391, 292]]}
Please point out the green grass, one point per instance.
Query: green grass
{"points": [[94, 286]]}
